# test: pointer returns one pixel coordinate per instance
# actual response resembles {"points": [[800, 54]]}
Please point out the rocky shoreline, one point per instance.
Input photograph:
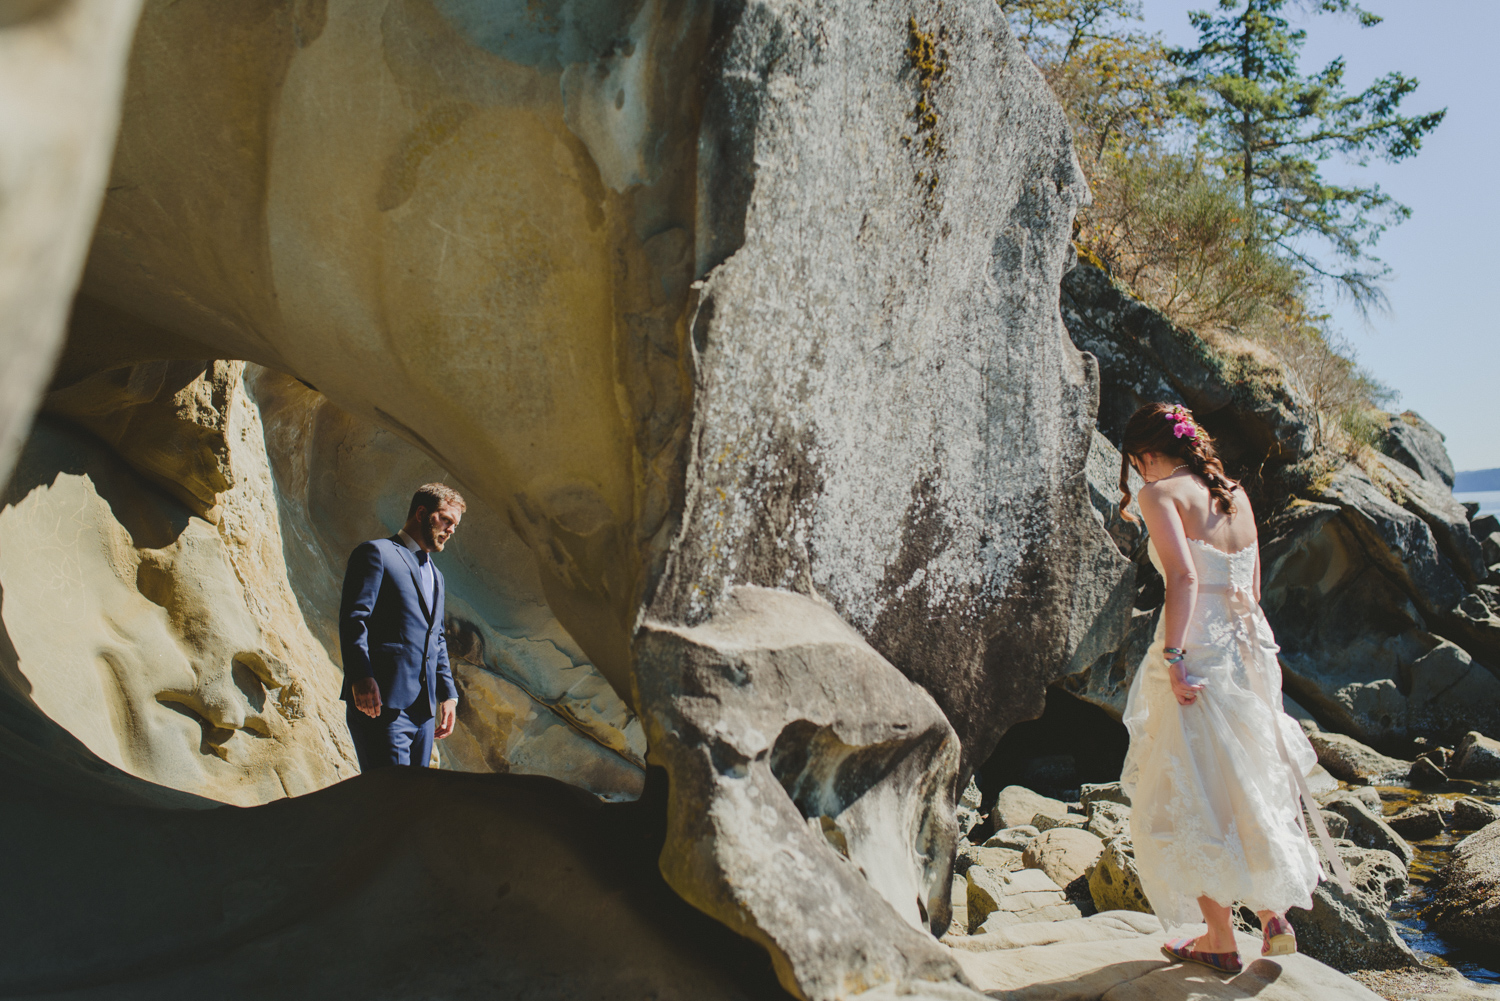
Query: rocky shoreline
{"points": [[1036, 872]]}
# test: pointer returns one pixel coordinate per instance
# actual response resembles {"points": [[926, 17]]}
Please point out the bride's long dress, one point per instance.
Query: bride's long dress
{"points": [[1216, 786]]}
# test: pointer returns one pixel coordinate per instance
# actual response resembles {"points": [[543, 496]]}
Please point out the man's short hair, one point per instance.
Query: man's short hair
{"points": [[433, 496]]}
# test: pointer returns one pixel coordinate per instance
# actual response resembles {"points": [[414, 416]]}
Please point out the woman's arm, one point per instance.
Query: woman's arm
{"points": [[1165, 524]]}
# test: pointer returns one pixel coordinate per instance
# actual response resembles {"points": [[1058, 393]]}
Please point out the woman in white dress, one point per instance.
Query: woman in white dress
{"points": [[1216, 770]]}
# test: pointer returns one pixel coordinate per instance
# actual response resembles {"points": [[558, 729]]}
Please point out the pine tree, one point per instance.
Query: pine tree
{"points": [[1268, 127]]}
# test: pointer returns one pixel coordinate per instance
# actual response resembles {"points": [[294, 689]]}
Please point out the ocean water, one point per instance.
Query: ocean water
{"points": [[1489, 500]]}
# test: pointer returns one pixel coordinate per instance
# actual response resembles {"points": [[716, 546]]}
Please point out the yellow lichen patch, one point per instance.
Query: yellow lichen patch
{"points": [[929, 62]]}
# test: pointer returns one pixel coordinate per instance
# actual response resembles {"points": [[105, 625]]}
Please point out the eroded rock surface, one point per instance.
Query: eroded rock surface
{"points": [[785, 785], [61, 79], [703, 308], [1468, 908]]}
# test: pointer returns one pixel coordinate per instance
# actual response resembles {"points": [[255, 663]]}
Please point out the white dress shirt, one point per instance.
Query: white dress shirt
{"points": [[424, 569]]}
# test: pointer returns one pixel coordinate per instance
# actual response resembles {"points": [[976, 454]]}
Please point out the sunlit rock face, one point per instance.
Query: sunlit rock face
{"points": [[171, 645], [737, 325], [530, 702], [469, 223], [61, 80]]}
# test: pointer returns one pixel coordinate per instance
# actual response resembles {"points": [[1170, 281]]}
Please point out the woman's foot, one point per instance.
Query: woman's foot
{"points": [[1279, 939], [1185, 950]]}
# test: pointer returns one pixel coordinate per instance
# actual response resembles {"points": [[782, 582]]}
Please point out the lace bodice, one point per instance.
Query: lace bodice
{"points": [[1215, 567]]}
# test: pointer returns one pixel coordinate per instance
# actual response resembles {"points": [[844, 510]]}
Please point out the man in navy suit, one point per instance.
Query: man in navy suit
{"points": [[396, 676]]}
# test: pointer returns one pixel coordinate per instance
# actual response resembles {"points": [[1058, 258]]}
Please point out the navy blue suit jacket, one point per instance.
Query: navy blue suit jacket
{"points": [[387, 632]]}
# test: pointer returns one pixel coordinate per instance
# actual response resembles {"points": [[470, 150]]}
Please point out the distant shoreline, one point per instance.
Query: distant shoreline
{"points": [[1476, 480]]}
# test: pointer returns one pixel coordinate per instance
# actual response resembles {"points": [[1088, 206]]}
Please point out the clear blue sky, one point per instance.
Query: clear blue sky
{"points": [[1440, 344]]}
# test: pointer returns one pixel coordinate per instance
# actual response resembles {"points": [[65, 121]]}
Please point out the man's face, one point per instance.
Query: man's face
{"points": [[438, 526]]}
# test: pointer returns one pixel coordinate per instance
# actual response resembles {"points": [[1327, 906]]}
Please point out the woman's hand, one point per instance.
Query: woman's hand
{"points": [[1185, 693]]}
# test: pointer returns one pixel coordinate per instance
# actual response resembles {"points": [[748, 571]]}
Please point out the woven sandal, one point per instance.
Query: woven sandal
{"points": [[1182, 951], [1280, 940]]}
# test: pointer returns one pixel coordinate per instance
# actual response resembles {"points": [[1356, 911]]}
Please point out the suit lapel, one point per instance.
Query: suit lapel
{"points": [[416, 577]]}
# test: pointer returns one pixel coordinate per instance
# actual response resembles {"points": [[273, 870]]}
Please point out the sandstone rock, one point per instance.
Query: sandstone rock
{"points": [[1379, 876], [1368, 795], [756, 747], [958, 901], [1355, 587], [1466, 907], [995, 859], [1016, 838], [1347, 759], [1114, 882], [1103, 792], [1144, 357], [1351, 931], [1470, 814], [1064, 854], [967, 812], [1102, 927], [812, 481], [1016, 806], [1478, 757], [533, 702], [1337, 823], [1369, 830], [1418, 445], [173, 648], [1131, 969], [439, 215], [62, 73], [983, 890], [1047, 822], [999, 900], [1430, 983], [1425, 774], [1108, 819], [1320, 782], [1418, 822], [487, 871]]}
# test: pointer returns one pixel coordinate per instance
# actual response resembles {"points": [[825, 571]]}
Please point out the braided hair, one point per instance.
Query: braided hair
{"points": [[1171, 431]]}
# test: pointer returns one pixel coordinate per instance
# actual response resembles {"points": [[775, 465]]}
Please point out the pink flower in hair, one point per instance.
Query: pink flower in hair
{"points": [[1185, 430]]}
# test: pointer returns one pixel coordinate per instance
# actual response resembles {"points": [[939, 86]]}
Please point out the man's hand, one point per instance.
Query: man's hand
{"points": [[367, 697], [447, 716]]}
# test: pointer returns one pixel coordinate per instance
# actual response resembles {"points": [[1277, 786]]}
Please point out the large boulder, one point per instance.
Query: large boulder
{"points": [[1355, 588], [1418, 445], [1347, 759], [1065, 854], [1002, 899], [1478, 757], [1114, 882], [566, 260], [1143, 357], [1466, 907], [61, 79], [1350, 931], [1368, 829], [784, 783], [1018, 806]]}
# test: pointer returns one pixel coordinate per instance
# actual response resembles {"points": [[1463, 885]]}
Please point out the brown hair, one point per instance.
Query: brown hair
{"points": [[433, 496], [1153, 428]]}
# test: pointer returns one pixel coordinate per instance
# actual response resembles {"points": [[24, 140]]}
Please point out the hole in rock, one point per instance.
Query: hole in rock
{"points": [[1072, 742]]}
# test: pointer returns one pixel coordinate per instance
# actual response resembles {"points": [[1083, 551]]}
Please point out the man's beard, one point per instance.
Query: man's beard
{"points": [[430, 534]]}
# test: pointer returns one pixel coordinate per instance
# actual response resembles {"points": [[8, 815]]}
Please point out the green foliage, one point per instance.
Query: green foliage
{"points": [[1204, 166], [1268, 127]]}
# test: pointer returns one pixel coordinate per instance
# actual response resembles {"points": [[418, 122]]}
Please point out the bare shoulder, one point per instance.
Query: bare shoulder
{"points": [[1242, 501]]}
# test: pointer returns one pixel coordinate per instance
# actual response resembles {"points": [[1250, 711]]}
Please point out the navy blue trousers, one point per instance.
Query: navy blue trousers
{"points": [[393, 738]]}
